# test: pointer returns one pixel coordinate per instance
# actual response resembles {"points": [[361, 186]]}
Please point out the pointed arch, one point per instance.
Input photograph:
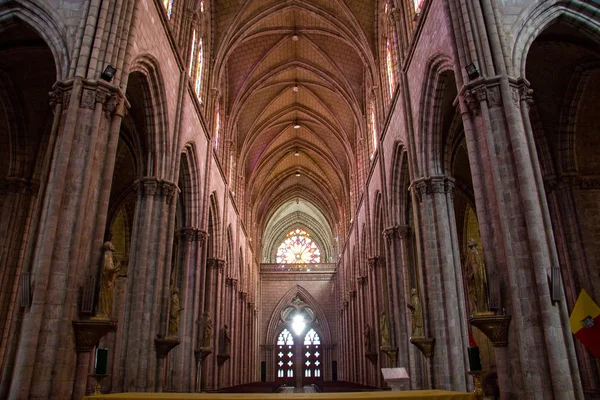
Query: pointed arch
{"points": [[430, 115], [47, 24], [190, 188], [542, 15], [157, 124], [214, 227], [276, 324]]}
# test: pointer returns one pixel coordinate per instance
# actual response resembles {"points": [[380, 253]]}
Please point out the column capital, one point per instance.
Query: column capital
{"points": [[201, 236], [215, 263], [436, 184]]}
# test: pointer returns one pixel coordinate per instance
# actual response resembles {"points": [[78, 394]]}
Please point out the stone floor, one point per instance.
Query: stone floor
{"points": [[305, 389]]}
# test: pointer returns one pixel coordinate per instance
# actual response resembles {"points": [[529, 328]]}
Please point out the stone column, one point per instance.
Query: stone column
{"points": [[42, 361], [148, 284], [213, 290], [518, 241], [442, 278]]}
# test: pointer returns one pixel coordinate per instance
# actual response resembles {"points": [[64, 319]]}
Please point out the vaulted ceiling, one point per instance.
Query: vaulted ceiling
{"points": [[296, 74]]}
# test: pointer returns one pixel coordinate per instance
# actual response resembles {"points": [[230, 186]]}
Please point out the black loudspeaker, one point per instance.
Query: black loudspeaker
{"points": [[263, 371], [334, 371]]}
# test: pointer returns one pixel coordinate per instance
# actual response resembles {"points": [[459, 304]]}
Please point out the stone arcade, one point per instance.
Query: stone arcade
{"points": [[297, 192]]}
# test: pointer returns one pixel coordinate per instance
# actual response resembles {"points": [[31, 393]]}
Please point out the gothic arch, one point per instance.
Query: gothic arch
{"points": [[543, 15], [156, 115], [214, 227], [190, 190], [275, 323], [46, 23], [430, 115]]}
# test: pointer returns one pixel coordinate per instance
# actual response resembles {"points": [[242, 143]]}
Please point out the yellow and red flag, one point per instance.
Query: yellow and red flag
{"points": [[585, 323]]}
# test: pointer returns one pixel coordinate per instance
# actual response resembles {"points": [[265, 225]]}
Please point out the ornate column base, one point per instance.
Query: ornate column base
{"points": [[478, 391], [371, 356], [495, 327], [89, 332], [424, 344], [391, 352], [98, 378], [164, 346]]}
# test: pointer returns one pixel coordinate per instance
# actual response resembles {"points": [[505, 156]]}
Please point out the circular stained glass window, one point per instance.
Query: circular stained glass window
{"points": [[298, 248]]}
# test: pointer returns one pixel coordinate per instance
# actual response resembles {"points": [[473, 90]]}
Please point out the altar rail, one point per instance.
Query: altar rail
{"points": [[387, 395], [316, 267]]}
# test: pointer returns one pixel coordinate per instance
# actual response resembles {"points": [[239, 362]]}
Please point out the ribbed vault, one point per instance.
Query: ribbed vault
{"points": [[296, 74]]}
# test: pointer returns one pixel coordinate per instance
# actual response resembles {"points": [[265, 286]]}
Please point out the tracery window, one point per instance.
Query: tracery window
{"points": [[418, 5], [285, 355], [373, 123], [298, 248], [390, 67], [199, 67], [312, 355], [168, 7]]}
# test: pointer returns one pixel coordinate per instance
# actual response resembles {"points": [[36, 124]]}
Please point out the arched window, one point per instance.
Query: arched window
{"points": [[285, 356], [418, 5], [373, 123], [199, 67], [168, 7], [197, 64], [390, 66], [298, 248], [217, 124], [312, 355]]}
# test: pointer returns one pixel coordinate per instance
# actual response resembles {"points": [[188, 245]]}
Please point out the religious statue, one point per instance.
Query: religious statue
{"points": [[204, 331], [476, 279], [108, 276], [384, 327], [417, 314], [226, 340], [174, 312], [367, 335]]}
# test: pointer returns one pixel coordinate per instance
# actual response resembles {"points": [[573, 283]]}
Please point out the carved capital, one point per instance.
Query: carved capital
{"points": [[185, 234], [432, 185], [168, 190], [201, 236], [88, 98], [111, 103], [215, 263], [147, 186], [526, 93]]}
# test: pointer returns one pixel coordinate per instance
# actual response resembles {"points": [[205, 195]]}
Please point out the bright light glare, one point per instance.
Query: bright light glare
{"points": [[298, 324]]}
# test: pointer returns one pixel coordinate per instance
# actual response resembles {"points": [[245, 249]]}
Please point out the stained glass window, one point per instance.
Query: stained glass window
{"points": [[169, 7], [298, 248], [390, 67], [418, 5], [217, 125], [312, 337], [199, 66], [373, 127], [285, 363], [193, 55]]}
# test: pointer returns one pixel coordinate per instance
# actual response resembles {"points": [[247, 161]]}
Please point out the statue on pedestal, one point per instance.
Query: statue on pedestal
{"points": [[174, 312], [367, 335], [108, 276], [417, 314], [204, 331], [384, 327], [476, 279], [226, 340]]}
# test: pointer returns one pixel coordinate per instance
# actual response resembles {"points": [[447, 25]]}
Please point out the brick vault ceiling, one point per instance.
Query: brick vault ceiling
{"points": [[295, 62]]}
